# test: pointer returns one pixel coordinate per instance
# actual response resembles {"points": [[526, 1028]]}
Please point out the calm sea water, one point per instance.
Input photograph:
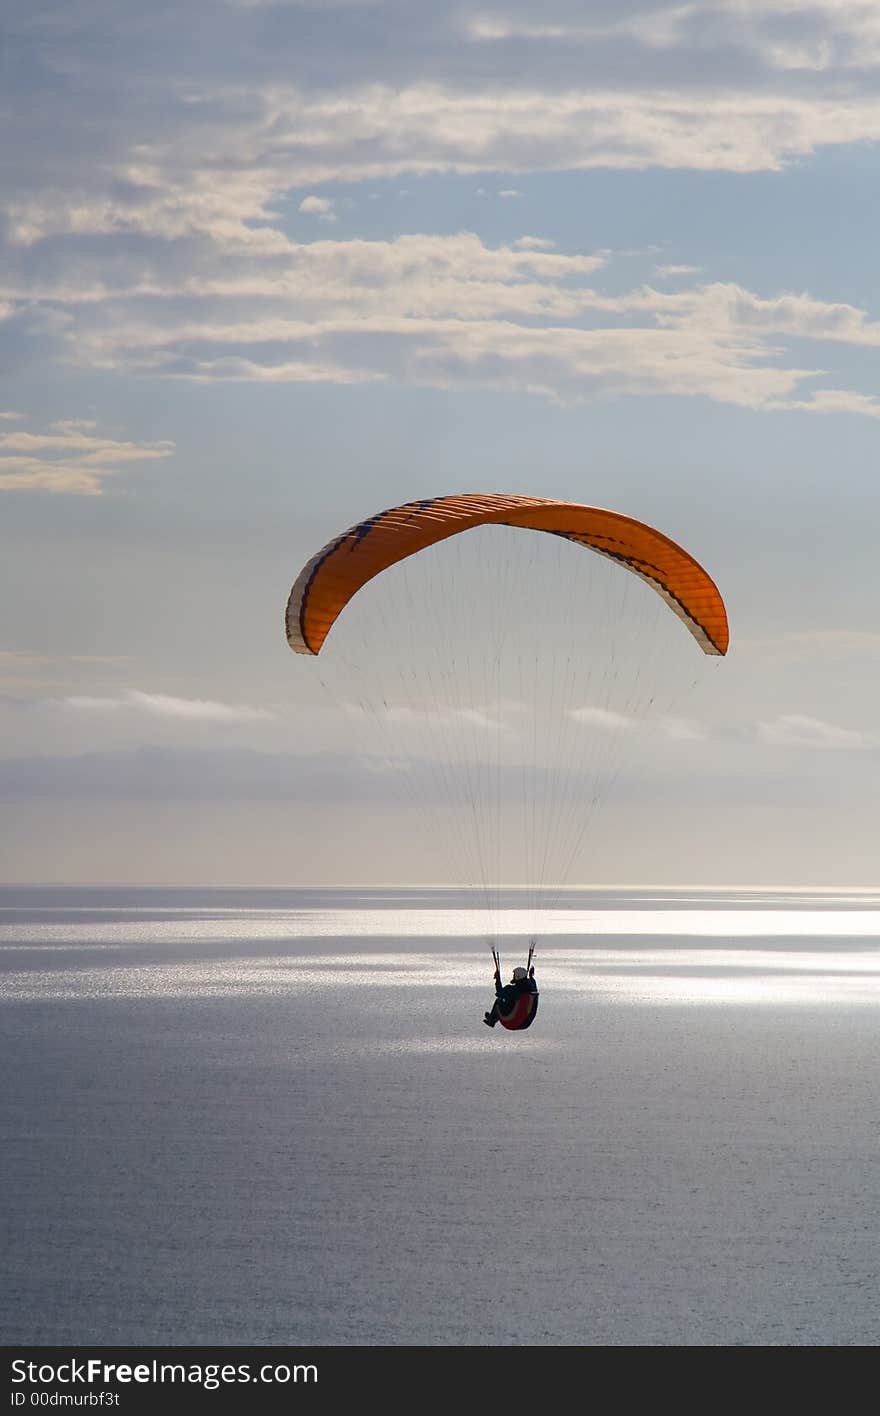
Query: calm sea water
{"points": [[236, 1116]]}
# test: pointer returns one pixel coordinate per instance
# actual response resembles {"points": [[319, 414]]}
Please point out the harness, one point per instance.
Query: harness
{"points": [[522, 1014]]}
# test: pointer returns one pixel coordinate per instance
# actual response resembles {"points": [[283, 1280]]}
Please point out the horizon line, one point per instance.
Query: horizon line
{"points": [[434, 885]]}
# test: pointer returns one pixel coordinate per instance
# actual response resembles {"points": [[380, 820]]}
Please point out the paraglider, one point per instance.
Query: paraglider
{"points": [[330, 579], [516, 1003], [516, 727]]}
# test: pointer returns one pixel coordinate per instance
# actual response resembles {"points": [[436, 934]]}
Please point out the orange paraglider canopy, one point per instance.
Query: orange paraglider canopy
{"points": [[330, 579]]}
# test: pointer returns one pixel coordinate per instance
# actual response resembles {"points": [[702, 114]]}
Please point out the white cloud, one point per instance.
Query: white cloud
{"points": [[602, 718], [480, 719], [318, 206], [432, 715], [798, 730], [834, 400], [201, 144], [251, 370], [164, 706], [496, 28], [785, 35], [158, 244], [449, 311], [69, 460], [794, 314], [281, 140]]}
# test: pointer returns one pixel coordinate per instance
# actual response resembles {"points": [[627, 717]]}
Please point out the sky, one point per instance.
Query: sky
{"points": [[269, 267]]}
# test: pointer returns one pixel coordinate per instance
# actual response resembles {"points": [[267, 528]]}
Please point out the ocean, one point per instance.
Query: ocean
{"points": [[276, 1117]]}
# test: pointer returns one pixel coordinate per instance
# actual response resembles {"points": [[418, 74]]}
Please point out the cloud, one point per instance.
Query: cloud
{"points": [[797, 730], [811, 36], [229, 107], [70, 460], [602, 718], [318, 206], [153, 239], [833, 400], [786, 730], [482, 720], [428, 717], [240, 370], [163, 706], [210, 130], [449, 311], [73, 425], [682, 730]]}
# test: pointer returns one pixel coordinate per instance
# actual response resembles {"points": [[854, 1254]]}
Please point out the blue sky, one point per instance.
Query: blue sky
{"points": [[266, 268]]}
